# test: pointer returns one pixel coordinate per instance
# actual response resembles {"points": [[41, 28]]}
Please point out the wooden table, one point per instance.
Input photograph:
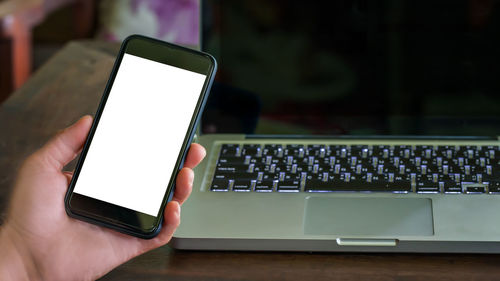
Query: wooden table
{"points": [[71, 84]]}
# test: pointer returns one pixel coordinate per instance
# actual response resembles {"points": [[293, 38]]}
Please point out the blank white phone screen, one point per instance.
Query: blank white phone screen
{"points": [[140, 134]]}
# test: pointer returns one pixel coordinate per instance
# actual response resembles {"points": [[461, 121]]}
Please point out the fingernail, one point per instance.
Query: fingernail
{"points": [[178, 211], [83, 117], [191, 178]]}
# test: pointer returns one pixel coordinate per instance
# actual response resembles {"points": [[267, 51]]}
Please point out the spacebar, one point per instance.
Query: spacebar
{"points": [[356, 186]]}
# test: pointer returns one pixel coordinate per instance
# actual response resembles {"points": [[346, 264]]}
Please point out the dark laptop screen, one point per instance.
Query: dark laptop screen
{"points": [[354, 67]]}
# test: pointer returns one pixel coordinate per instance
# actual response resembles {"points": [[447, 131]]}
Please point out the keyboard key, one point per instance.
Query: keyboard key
{"points": [[235, 175], [295, 150], [267, 185], [316, 185], [399, 150], [231, 160], [230, 150], [289, 186], [220, 185], [494, 187], [358, 150], [270, 149], [243, 185], [473, 187], [231, 168], [427, 187], [491, 154], [401, 186], [339, 185], [451, 186], [317, 150], [381, 151], [357, 186], [252, 149]]}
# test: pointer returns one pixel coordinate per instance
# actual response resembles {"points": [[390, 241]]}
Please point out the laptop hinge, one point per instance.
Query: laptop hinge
{"points": [[366, 242]]}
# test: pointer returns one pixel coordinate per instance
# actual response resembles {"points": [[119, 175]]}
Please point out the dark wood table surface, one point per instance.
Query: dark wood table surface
{"points": [[71, 84]]}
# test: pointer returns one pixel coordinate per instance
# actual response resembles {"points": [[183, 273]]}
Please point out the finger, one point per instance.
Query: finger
{"points": [[64, 147], [172, 219], [195, 155], [183, 185]]}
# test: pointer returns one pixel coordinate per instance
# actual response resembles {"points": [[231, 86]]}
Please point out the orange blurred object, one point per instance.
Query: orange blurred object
{"points": [[17, 20]]}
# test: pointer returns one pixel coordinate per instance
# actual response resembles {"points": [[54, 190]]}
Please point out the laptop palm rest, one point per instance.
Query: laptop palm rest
{"points": [[373, 217]]}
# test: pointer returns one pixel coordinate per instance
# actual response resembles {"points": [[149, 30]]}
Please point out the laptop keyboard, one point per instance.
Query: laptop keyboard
{"points": [[357, 168]]}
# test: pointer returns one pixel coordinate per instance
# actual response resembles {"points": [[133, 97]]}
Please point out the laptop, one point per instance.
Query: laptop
{"points": [[364, 126]]}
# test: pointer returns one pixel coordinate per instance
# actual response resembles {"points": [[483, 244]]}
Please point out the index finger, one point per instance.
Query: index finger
{"points": [[196, 153]]}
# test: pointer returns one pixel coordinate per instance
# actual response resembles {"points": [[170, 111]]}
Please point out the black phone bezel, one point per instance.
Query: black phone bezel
{"points": [[120, 218]]}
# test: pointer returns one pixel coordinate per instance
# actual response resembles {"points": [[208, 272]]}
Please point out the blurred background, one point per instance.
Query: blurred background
{"points": [[33, 30], [343, 67]]}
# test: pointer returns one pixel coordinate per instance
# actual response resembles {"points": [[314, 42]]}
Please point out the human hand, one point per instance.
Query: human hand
{"points": [[39, 240]]}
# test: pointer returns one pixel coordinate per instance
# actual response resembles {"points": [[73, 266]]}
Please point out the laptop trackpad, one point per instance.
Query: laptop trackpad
{"points": [[390, 217]]}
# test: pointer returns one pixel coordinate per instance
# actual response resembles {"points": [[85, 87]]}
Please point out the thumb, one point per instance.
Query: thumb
{"points": [[64, 146]]}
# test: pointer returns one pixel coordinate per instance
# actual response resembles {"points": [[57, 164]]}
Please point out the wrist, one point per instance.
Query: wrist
{"points": [[15, 261]]}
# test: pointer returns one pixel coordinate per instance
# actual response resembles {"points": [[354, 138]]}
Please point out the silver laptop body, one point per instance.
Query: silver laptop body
{"points": [[428, 192]]}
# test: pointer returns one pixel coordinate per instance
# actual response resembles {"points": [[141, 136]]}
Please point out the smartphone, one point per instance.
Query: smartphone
{"points": [[140, 136]]}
